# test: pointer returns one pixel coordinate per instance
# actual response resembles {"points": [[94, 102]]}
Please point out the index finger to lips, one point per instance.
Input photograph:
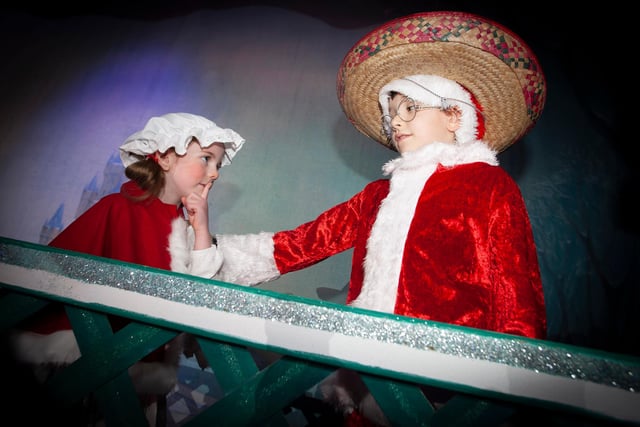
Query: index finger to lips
{"points": [[205, 191]]}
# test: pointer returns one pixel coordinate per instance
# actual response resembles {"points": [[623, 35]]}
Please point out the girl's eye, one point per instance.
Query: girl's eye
{"points": [[205, 159]]}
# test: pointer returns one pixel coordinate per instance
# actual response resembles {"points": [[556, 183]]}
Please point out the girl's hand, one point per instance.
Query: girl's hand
{"points": [[197, 209]]}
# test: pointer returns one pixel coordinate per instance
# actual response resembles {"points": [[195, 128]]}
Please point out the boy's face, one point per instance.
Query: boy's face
{"points": [[429, 124]]}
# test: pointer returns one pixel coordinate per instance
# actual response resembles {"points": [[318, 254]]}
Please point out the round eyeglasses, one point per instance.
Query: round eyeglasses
{"points": [[407, 110]]}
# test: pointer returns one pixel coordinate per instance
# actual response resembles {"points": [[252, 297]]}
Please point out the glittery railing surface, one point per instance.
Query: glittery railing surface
{"points": [[557, 359]]}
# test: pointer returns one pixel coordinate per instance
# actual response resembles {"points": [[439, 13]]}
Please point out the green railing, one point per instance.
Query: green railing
{"points": [[495, 379]]}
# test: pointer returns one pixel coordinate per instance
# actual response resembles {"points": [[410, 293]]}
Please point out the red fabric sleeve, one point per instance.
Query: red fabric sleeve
{"points": [[335, 230], [519, 302]]}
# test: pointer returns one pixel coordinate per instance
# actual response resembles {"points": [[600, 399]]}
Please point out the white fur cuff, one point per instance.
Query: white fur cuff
{"points": [[248, 258]]}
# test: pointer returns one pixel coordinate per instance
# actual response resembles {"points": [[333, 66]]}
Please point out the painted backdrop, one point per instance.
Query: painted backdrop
{"points": [[74, 87]]}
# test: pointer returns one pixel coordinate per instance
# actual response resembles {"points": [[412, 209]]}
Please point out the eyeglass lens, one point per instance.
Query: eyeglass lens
{"points": [[406, 111]]}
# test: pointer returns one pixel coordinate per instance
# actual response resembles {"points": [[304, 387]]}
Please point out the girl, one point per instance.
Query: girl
{"points": [[158, 219]]}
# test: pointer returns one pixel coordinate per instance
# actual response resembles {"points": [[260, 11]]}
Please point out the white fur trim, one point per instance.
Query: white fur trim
{"points": [[444, 154], [386, 243], [47, 352], [206, 262], [179, 243], [201, 263], [385, 246], [248, 258], [59, 348], [448, 93]]}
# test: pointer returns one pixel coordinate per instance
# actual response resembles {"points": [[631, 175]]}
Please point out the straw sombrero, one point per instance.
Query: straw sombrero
{"points": [[489, 60]]}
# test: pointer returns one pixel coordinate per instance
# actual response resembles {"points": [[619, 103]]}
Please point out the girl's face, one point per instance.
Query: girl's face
{"points": [[192, 172], [429, 124]]}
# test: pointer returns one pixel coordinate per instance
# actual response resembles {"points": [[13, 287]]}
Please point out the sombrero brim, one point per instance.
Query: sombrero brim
{"points": [[494, 64]]}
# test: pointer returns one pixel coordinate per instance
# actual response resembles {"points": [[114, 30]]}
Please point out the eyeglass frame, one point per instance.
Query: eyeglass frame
{"points": [[386, 124], [445, 104]]}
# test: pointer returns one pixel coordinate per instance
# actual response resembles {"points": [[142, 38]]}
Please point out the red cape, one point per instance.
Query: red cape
{"points": [[120, 226]]}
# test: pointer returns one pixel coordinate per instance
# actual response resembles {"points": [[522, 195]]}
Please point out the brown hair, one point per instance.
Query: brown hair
{"points": [[148, 175]]}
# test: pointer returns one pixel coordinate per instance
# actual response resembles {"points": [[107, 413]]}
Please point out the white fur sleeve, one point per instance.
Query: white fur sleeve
{"points": [[205, 262], [248, 258], [202, 263]]}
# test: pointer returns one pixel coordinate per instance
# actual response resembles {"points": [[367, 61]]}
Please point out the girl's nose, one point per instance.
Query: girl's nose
{"points": [[214, 174]]}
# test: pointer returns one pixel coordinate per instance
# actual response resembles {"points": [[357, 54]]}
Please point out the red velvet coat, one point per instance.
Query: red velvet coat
{"points": [[465, 254]]}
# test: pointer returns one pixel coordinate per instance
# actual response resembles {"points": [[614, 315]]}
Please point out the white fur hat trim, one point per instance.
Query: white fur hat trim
{"points": [[435, 91]]}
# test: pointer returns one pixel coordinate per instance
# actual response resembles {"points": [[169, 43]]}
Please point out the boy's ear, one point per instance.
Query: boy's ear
{"points": [[453, 119]]}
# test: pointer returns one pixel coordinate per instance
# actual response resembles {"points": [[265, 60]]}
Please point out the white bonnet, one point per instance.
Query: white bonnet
{"points": [[177, 130], [435, 91]]}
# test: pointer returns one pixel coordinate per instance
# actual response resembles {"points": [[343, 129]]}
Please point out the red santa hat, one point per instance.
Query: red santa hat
{"points": [[499, 71]]}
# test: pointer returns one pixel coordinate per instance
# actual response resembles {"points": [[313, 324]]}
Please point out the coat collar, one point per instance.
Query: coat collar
{"points": [[444, 154]]}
